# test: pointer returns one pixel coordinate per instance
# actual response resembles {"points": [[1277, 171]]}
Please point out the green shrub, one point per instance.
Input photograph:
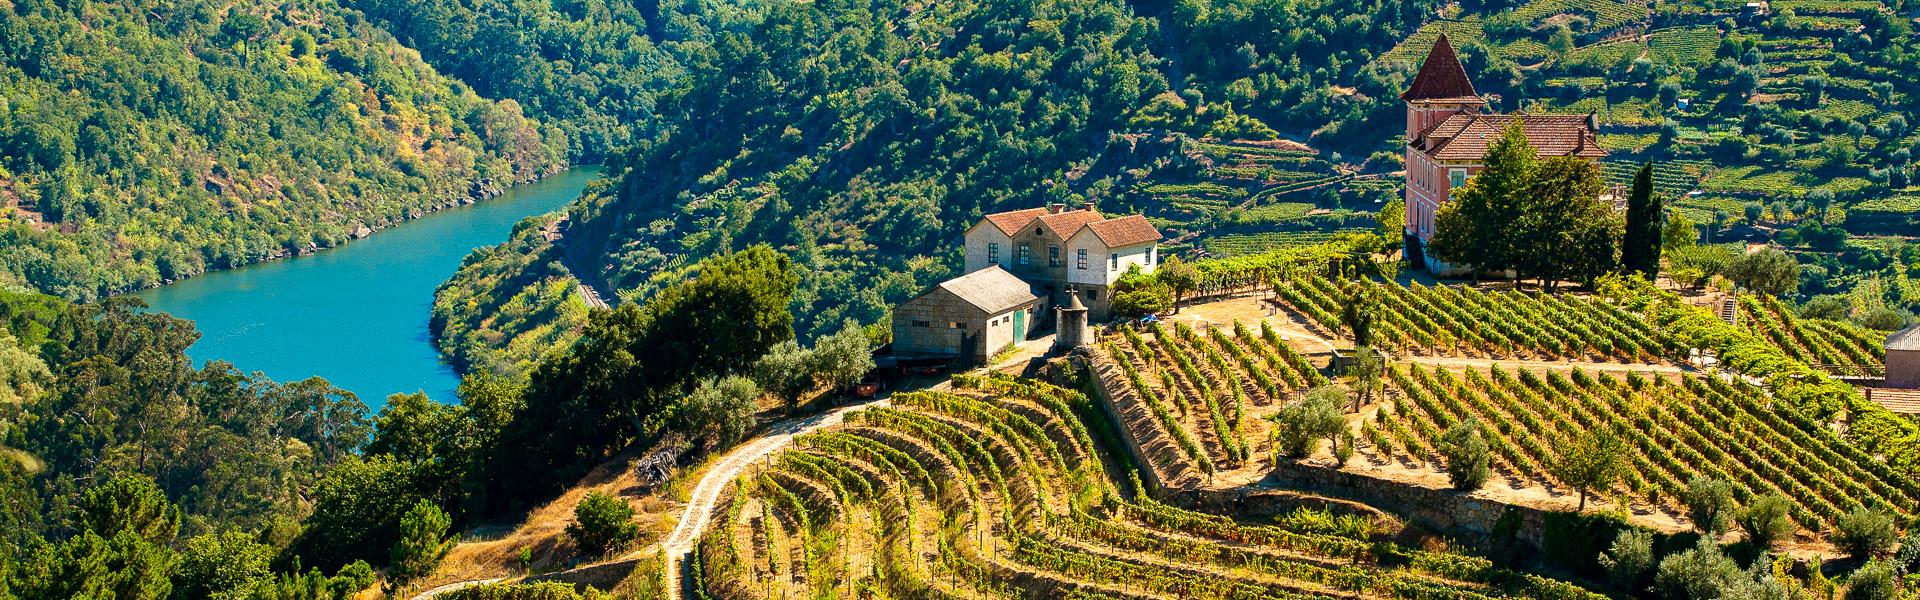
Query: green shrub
{"points": [[1469, 462], [1767, 519], [423, 542], [1702, 572], [546, 590], [1709, 503], [1865, 532], [601, 523], [1875, 581], [1629, 559]]}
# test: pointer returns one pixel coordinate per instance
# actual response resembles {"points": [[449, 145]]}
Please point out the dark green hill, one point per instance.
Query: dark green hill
{"points": [[146, 141]]}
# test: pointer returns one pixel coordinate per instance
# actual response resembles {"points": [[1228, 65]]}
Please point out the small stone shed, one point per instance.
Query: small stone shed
{"points": [[971, 316], [1903, 359]]}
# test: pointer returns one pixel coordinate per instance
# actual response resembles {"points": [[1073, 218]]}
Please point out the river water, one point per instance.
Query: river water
{"points": [[356, 314]]}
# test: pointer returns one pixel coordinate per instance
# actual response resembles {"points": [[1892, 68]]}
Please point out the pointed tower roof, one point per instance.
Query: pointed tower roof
{"points": [[1441, 77]]}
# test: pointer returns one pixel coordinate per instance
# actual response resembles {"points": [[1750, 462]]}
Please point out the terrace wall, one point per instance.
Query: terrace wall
{"points": [[1467, 517]]}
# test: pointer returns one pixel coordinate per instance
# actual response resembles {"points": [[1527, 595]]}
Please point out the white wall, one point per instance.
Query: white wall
{"points": [[1102, 269], [977, 240]]}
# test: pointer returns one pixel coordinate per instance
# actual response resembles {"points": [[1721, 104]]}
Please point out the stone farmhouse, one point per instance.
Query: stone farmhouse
{"points": [[1903, 358], [1448, 136], [1020, 266]]}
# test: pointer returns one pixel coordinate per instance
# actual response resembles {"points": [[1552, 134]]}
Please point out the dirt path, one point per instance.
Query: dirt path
{"points": [[700, 504], [458, 585]]}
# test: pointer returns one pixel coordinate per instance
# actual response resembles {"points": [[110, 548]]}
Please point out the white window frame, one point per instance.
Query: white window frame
{"points": [[1026, 254], [1080, 258], [993, 252]]}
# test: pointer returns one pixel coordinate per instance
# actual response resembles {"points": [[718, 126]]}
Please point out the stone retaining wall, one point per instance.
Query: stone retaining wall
{"points": [[1467, 517]]}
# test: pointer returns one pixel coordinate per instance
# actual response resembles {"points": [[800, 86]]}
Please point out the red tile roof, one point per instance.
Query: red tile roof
{"points": [[1011, 221], [1441, 77], [1068, 222], [1125, 231], [1466, 136]]}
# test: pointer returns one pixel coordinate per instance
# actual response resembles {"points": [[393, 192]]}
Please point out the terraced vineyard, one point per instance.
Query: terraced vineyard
{"points": [[1465, 320], [1839, 348], [1000, 491], [1209, 392], [1675, 431]]}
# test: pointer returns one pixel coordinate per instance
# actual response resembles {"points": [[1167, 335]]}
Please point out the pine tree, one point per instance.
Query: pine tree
{"points": [[1640, 251]]}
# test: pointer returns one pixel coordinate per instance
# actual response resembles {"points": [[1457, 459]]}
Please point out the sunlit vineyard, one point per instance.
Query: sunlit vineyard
{"points": [[1840, 348], [999, 490], [1465, 320], [1209, 391], [1675, 430]]}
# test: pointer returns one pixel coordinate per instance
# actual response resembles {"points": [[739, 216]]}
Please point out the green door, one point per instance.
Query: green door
{"points": [[1019, 325]]}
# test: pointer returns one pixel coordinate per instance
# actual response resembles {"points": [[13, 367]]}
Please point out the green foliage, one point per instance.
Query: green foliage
{"points": [[842, 359], [592, 70], [123, 402], [510, 305], [131, 505], [1137, 294], [1865, 532], [1640, 248], [1542, 218], [1709, 504], [1469, 462], [144, 142], [223, 566], [786, 371], [1767, 519], [1701, 572], [354, 516], [632, 369], [722, 411], [1302, 425], [1595, 463], [1877, 580], [423, 542], [602, 523], [546, 590], [1770, 272], [1628, 559]]}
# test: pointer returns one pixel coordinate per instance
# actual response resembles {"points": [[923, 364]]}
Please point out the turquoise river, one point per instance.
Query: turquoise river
{"points": [[356, 314]]}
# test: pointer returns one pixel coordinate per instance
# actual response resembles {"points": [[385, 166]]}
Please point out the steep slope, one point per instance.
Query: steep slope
{"points": [[146, 141], [863, 137], [590, 68]]}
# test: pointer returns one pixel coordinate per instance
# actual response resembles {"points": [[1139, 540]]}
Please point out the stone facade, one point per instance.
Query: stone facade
{"points": [[944, 321], [1056, 248], [1903, 359]]}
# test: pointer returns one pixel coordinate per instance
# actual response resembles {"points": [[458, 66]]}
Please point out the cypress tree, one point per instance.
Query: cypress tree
{"points": [[1640, 250]]}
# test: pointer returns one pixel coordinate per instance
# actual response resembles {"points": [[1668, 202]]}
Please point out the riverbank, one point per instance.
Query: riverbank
{"points": [[479, 190], [356, 314]]}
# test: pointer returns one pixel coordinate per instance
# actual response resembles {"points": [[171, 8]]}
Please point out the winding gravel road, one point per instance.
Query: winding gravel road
{"points": [[700, 505]]}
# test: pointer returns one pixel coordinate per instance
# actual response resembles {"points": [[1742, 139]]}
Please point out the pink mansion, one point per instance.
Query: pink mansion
{"points": [[1447, 140]]}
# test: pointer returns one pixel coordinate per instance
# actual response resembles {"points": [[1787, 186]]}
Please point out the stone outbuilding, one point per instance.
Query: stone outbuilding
{"points": [[972, 316], [1903, 359]]}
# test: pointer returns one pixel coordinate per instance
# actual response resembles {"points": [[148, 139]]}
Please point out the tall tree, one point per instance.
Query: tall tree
{"points": [[1563, 229], [1593, 464], [1476, 228], [1640, 248]]}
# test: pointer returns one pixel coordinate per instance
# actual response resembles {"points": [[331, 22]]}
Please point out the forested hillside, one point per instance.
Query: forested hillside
{"points": [[590, 68], [862, 137], [146, 141]]}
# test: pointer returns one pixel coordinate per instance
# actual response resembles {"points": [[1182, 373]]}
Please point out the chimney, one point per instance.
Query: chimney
{"points": [[1593, 121], [1054, 208]]}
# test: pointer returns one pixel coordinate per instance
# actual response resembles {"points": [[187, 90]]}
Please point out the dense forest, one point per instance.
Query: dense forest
{"points": [[590, 68], [862, 137], [142, 142]]}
